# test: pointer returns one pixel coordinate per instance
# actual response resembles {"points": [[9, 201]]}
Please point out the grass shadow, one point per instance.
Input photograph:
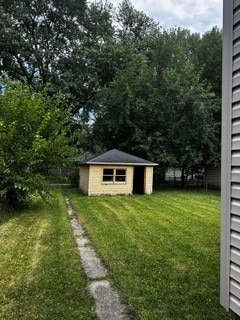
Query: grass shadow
{"points": [[35, 205]]}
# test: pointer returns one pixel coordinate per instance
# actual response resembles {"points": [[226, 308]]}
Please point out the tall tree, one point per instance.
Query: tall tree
{"points": [[35, 35], [158, 106], [134, 26], [209, 59], [209, 64], [45, 41], [121, 107], [189, 107], [169, 47]]}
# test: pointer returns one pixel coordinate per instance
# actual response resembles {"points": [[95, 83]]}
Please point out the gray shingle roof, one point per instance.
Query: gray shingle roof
{"points": [[116, 157]]}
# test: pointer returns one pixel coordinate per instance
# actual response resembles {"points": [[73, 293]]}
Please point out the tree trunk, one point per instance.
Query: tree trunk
{"points": [[182, 178], [12, 199]]}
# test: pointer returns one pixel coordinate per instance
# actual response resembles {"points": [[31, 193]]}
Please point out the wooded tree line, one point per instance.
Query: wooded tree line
{"points": [[128, 83]]}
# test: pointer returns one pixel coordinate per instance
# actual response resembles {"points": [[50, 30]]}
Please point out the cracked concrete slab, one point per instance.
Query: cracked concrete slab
{"points": [[108, 302]]}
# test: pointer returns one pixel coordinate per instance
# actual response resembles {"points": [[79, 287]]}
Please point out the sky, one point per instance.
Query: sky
{"points": [[196, 15]]}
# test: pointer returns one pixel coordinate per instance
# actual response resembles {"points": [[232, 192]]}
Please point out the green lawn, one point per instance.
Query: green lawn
{"points": [[40, 277], [162, 250]]}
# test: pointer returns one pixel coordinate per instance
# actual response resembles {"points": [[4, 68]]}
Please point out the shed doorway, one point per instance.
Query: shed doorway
{"points": [[138, 180]]}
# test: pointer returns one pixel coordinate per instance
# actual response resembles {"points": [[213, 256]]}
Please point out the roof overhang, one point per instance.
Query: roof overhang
{"points": [[119, 164]]}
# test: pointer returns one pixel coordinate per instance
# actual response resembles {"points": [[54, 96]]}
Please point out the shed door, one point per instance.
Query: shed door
{"points": [[138, 180]]}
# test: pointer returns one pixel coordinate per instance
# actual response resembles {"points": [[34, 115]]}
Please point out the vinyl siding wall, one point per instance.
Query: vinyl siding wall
{"points": [[230, 232]]}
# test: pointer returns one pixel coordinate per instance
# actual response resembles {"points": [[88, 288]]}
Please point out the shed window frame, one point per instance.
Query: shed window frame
{"points": [[114, 175]]}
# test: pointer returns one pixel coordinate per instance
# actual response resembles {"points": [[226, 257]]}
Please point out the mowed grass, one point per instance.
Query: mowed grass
{"points": [[162, 250], [40, 275]]}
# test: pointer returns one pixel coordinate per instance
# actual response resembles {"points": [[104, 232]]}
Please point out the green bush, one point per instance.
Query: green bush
{"points": [[33, 139]]}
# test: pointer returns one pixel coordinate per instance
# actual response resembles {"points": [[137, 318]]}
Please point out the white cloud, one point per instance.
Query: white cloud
{"points": [[196, 15]]}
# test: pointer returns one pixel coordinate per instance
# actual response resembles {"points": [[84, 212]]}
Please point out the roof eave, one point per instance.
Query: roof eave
{"points": [[123, 164]]}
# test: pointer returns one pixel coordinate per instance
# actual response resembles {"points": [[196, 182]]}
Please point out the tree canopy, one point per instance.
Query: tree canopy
{"points": [[44, 42], [149, 91], [161, 104]]}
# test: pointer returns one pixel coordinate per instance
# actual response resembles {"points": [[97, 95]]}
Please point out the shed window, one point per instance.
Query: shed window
{"points": [[108, 175], [114, 175], [120, 175]]}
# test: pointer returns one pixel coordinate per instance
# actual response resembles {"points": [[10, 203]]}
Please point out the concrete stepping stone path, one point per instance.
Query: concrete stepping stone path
{"points": [[107, 299]]}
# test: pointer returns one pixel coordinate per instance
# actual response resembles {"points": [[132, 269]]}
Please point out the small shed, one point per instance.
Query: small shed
{"points": [[115, 172]]}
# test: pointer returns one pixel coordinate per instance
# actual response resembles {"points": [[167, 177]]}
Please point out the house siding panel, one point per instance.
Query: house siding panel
{"points": [[236, 126], [234, 271], [236, 111], [236, 79], [235, 177], [236, 3], [234, 256], [235, 239], [235, 207], [236, 17], [230, 230], [236, 142], [235, 288], [236, 33], [235, 157], [235, 191], [236, 64], [234, 304], [235, 223]]}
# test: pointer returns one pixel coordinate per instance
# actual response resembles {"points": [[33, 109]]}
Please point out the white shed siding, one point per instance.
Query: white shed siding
{"points": [[98, 187], [84, 178], [148, 180], [230, 232]]}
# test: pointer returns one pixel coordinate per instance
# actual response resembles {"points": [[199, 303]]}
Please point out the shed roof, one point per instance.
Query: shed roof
{"points": [[116, 157]]}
